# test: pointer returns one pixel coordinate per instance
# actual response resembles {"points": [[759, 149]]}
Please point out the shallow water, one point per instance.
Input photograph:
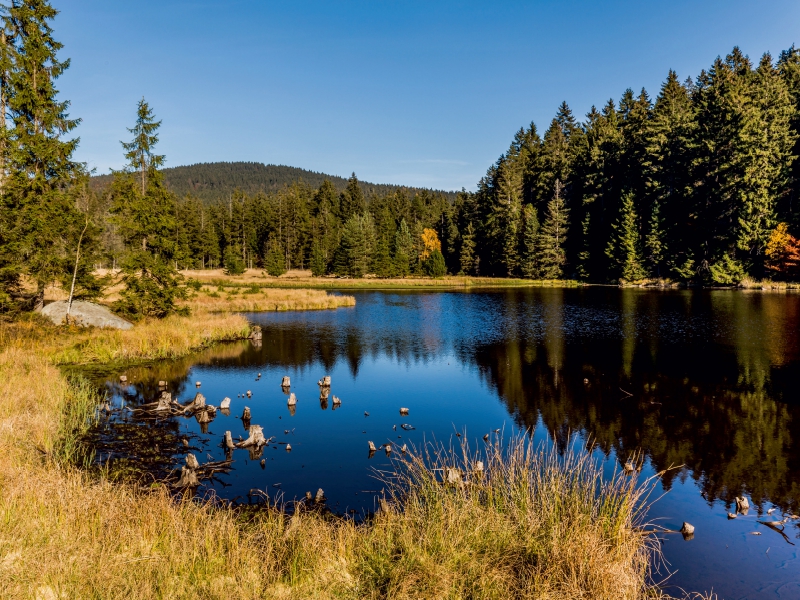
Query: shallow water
{"points": [[703, 379]]}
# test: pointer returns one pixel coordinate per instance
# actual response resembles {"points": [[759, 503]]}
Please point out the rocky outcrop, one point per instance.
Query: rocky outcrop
{"points": [[85, 314]]}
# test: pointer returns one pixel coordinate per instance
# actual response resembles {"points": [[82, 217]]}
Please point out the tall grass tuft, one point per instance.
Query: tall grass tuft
{"points": [[531, 524]]}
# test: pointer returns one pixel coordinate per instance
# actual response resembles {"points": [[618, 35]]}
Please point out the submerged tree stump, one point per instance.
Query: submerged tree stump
{"points": [[742, 505], [191, 461], [226, 403], [286, 382], [325, 381], [228, 441], [292, 399], [188, 478]]}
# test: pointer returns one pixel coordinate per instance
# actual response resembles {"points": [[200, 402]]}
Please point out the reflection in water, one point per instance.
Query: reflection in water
{"points": [[705, 379]]}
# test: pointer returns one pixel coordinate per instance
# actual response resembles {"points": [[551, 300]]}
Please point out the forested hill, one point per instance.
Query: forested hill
{"points": [[210, 182]]}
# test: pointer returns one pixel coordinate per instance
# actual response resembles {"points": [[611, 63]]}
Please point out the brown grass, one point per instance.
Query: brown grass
{"points": [[253, 299]]}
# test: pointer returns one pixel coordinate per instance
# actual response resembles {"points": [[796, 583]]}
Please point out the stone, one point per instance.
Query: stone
{"points": [[85, 314], [226, 403]]}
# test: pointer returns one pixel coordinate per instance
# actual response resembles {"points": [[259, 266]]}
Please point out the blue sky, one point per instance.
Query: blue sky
{"points": [[417, 93]]}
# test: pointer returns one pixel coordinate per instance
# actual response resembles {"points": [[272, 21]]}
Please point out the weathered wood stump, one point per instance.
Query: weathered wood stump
{"points": [[286, 382], [188, 478], [288, 447], [404, 449], [292, 399], [454, 476], [388, 449], [742, 505], [325, 381], [162, 384], [246, 413], [249, 394], [165, 403], [371, 446], [229, 441], [197, 383], [255, 439], [324, 393], [226, 403], [255, 333], [196, 404], [191, 461], [404, 412], [320, 497]]}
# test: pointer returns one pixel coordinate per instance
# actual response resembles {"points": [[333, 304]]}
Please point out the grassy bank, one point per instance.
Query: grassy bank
{"points": [[534, 525], [303, 280]]}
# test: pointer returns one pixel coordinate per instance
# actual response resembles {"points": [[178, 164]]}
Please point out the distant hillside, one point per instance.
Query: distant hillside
{"points": [[213, 181]]}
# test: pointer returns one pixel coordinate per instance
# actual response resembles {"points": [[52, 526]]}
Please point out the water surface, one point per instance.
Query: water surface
{"points": [[703, 379]]}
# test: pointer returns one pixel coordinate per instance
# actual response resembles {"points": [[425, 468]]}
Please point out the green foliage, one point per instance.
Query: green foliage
{"points": [[726, 271], [624, 248], [317, 260], [274, 260], [530, 243], [37, 215], [357, 246], [553, 237], [467, 255], [234, 263], [145, 215], [151, 286], [403, 250], [434, 265]]}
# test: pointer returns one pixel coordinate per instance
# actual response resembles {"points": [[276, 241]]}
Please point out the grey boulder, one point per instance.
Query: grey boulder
{"points": [[86, 314]]}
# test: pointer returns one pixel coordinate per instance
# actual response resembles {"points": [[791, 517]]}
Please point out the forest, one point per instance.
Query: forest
{"points": [[699, 185]]}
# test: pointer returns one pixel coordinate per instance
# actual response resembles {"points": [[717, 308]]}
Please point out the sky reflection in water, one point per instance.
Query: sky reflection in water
{"points": [[713, 377]]}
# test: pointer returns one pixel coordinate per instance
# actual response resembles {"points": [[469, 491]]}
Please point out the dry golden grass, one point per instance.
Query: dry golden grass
{"points": [[265, 299], [303, 279], [767, 285]]}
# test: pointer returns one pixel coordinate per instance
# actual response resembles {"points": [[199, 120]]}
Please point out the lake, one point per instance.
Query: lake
{"points": [[703, 382]]}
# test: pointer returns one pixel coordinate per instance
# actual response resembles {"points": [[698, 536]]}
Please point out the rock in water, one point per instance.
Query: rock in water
{"points": [[85, 314]]}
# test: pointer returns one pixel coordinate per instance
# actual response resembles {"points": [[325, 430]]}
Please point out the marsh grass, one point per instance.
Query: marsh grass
{"points": [[257, 299], [749, 283]]}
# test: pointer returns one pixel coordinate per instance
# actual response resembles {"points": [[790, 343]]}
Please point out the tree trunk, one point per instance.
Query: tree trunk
{"points": [[75, 272]]}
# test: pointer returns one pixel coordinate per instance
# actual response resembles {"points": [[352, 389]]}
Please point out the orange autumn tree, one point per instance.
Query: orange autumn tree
{"points": [[430, 242], [783, 252]]}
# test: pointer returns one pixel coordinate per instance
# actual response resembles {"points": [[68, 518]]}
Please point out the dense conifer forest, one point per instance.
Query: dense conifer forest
{"points": [[214, 182], [698, 184]]}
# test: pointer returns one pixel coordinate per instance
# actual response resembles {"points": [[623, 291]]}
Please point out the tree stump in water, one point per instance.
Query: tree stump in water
{"points": [[256, 438], [246, 414], [226, 403], [325, 381], [292, 400], [229, 441], [742, 505], [371, 446], [188, 478], [196, 404], [286, 382], [404, 412], [191, 461], [320, 497], [165, 402], [324, 393], [256, 334]]}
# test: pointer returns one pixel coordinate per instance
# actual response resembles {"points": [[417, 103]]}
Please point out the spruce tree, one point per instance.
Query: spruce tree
{"points": [[317, 264], [530, 243], [357, 245], [467, 254], [352, 200], [403, 249], [274, 259], [553, 236], [624, 247], [655, 242], [147, 223], [234, 264], [36, 238]]}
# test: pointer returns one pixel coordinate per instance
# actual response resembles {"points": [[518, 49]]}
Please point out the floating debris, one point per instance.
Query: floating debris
{"points": [[404, 412], [286, 382], [755, 533], [771, 510], [288, 447], [407, 427]]}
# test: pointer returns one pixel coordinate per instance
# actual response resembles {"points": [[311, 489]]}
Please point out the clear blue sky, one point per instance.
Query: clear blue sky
{"points": [[419, 93]]}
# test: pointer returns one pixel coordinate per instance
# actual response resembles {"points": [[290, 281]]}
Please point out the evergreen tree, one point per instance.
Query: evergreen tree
{"points": [[357, 245], [317, 264], [352, 200], [553, 236], [624, 247], [530, 243], [274, 259], [234, 264], [36, 212], [403, 249], [148, 227], [655, 246], [434, 265], [467, 255]]}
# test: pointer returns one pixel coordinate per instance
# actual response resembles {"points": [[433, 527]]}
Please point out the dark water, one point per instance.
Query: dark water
{"points": [[708, 380]]}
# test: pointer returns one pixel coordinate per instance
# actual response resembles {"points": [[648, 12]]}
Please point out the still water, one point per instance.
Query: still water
{"points": [[706, 381]]}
